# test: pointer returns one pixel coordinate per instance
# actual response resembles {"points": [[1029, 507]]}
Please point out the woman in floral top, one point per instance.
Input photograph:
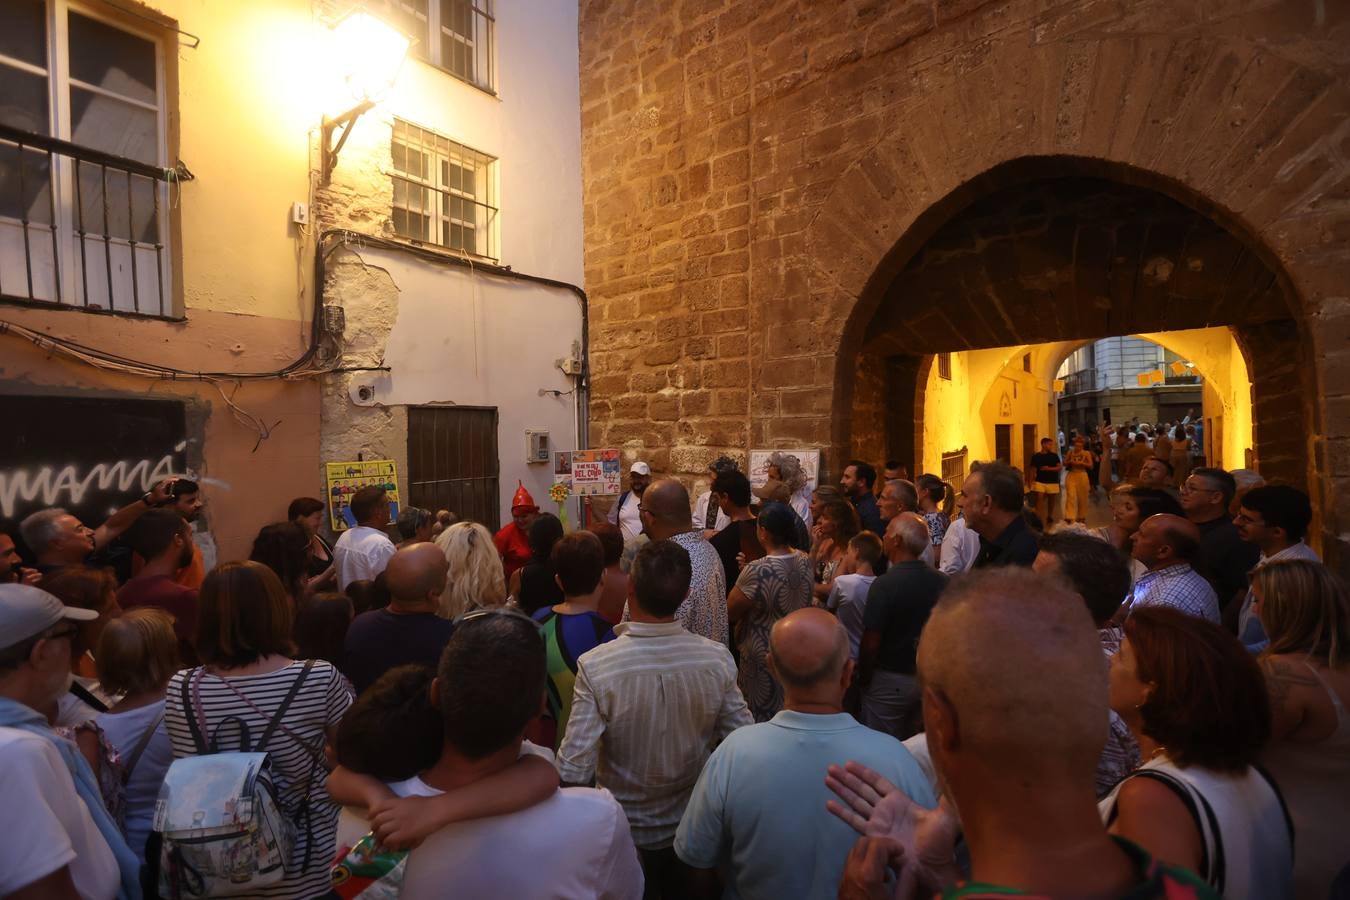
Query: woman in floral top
{"points": [[768, 589]]}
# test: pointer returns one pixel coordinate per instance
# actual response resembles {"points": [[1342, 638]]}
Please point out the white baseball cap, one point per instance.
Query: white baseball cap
{"points": [[640, 468], [26, 612]]}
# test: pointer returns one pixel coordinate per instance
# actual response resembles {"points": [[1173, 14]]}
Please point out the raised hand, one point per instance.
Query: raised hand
{"points": [[874, 807]]}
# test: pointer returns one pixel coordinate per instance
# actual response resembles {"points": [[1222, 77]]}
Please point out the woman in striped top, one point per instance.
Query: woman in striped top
{"points": [[244, 641]]}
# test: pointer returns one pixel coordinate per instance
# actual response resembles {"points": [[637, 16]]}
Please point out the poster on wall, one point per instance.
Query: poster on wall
{"points": [[587, 473], [346, 478], [759, 465]]}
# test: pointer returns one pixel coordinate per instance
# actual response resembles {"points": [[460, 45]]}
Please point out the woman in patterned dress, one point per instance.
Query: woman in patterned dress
{"points": [[768, 588]]}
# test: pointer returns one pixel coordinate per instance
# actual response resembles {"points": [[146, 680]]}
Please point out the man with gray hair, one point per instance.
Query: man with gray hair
{"points": [[58, 539], [899, 495], [772, 842], [898, 605]]}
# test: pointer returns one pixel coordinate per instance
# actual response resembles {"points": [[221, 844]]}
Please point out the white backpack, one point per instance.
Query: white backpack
{"points": [[224, 832]]}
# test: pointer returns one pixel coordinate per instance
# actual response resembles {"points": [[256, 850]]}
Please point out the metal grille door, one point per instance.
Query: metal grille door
{"points": [[452, 462]]}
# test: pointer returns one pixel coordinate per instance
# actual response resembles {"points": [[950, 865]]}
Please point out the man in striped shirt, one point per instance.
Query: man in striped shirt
{"points": [[647, 710]]}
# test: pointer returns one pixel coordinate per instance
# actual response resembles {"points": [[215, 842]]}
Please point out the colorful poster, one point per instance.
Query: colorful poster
{"points": [[346, 478], [587, 473], [759, 465]]}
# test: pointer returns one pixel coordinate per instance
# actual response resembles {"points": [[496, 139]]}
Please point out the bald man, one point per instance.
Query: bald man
{"points": [[898, 604], [1167, 545], [1015, 710], [408, 630], [758, 809], [666, 516]]}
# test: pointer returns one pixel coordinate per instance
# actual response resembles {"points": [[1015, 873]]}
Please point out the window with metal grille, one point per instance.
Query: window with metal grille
{"points": [[444, 192], [954, 468], [83, 191], [944, 366], [454, 35]]}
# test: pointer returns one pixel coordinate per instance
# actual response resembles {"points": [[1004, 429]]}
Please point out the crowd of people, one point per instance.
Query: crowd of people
{"points": [[878, 688]]}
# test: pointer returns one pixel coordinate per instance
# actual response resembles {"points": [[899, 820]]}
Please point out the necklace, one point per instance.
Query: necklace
{"points": [[1156, 752]]}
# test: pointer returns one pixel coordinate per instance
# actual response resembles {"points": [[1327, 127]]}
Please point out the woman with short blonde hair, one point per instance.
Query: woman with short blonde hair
{"points": [[476, 578], [1303, 606]]}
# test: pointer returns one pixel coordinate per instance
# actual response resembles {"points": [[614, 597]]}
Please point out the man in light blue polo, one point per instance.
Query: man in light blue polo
{"points": [[759, 806]]}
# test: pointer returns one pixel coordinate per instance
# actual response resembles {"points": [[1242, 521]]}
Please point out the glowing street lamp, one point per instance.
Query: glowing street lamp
{"points": [[366, 56]]}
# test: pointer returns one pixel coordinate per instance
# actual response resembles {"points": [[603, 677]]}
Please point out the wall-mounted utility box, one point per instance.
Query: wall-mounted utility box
{"points": [[537, 446]]}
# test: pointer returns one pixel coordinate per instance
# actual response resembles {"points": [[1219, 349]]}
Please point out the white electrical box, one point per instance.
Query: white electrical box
{"points": [[299, 213], [537, 446]]}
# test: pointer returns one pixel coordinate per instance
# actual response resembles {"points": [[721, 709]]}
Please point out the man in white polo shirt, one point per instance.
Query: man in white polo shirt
{"points": [[363, 551]]}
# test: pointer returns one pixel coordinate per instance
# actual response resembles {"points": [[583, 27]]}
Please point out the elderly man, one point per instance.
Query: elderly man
{"points": [[1166, 545], [57, 539], [758, 810], [666, 516], [901, 496], [898, 604], [1015, 711], [408, 630], [993, 510]]}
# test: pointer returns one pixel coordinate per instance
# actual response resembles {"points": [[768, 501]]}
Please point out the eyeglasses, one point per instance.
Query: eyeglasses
{"points": [[1189, 486]]}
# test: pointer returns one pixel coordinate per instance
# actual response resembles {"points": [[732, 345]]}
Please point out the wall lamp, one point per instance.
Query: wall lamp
{"points": [[366, 56]]}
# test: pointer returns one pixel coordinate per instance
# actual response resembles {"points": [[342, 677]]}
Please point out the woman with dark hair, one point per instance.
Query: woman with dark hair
{"points": [[284, 547], [935, 505], [84, 587], [769, 588], [307, 512], [836, 524], [244, 639], [533, 585], [1304, 609], [321, 622], [1195, 701]]}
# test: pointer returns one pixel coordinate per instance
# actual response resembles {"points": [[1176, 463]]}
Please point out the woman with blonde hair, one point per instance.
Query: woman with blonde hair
{"points": [[137, 655], [1304, 609], [476, 580]]}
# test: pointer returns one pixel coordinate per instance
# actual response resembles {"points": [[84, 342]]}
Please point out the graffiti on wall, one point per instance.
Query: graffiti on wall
{"points": [[88, 454]]}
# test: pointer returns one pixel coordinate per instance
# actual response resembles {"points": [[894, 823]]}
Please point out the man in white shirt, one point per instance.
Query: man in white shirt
{"points": [[363, 551], [52, 847], [708, 516], [647, 710], [624, 513], [490, 684], [1274, 518]]}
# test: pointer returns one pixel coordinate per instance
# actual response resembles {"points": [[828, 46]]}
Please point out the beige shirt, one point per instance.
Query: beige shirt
{"points": [[647, 710]]}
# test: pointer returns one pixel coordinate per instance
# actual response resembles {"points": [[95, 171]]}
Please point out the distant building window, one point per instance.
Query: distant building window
{"points": [[84, 226], [444, 192], [944, 363], [1026, 362], [454, 35]]}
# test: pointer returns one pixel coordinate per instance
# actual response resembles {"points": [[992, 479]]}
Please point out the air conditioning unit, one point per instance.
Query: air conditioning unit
{"points": [[537, 447]]}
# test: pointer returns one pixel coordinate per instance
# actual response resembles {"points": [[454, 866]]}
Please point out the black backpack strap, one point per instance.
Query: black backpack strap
{"points": [[190, 713], [130, 765], [86, 696], [1211, 863], [285, 705], [1284, 810]]}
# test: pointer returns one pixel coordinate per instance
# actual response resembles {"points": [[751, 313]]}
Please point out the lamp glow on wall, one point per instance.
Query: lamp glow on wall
{"points": [[366, 55]]}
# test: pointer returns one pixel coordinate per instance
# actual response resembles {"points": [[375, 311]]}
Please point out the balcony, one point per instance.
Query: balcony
{"points": [[83, 229], [1080, 382]]}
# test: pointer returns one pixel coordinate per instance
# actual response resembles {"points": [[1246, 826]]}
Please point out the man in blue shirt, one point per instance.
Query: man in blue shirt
{"points": [[759, 805]]}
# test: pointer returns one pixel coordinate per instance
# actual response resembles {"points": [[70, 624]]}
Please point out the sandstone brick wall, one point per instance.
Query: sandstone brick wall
{"points": [[757, 173]]}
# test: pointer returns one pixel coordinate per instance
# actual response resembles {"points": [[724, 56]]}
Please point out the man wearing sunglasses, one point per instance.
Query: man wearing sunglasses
{"points": [[55, 845]]}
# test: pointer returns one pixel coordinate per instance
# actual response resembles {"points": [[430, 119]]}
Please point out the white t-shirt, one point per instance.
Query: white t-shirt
{"points": [[848, 595], [361, 554], [45, 823], [574, 844], [627, 516]]}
